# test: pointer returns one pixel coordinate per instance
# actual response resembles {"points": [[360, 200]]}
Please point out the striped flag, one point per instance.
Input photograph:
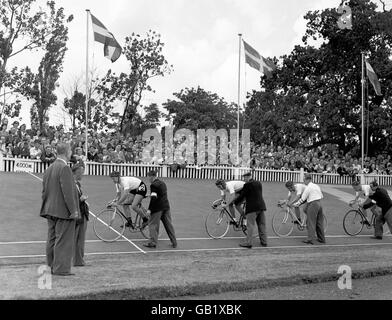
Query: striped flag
{"points": [[112, 49], [255, 60], [373, 78]]}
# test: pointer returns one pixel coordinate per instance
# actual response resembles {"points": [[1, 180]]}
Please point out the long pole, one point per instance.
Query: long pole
{"points": [[362, 110], [239, 99], [87, 71]]}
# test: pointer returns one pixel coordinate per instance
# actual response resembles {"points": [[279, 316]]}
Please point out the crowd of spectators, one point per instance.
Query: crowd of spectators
{"points": [[103, 147], [325, 159]]}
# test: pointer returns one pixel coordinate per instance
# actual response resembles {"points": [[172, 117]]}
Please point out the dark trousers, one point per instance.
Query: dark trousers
{"points": [[80, 240], [60, 245], [153, 225], [315, 221], [253, 219], [380, 220]]}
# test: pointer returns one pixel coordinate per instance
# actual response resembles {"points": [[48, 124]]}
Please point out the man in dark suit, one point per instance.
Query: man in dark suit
{"points": [[60, 206], [159, 209], [252, 193]]}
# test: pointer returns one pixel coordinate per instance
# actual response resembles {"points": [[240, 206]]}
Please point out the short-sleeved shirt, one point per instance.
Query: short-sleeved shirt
{"points": [[233, 187], [299, 189], [128, 184], [365, 191]]}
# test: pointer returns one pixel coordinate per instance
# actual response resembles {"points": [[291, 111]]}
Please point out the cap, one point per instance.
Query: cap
{"points": [[248, 174], [114, 174], [152, 173], [289, 184]]}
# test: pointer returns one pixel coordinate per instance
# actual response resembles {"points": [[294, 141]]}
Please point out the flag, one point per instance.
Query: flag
{"points": [[373, 78], [255, 60], [112, 49]]}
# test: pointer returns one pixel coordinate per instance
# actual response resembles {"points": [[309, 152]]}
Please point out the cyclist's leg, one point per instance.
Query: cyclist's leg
{"points": [[297, 213], [126, 206], [232, 210], [137, 200]]}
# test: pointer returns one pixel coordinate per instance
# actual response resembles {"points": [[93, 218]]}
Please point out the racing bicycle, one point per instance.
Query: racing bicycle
{"points": [[218, 221], [284, 219], [355, 220], [109, 224]]}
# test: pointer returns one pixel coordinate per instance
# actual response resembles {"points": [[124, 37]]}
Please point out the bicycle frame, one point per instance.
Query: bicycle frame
{"points": [[290, 213]]}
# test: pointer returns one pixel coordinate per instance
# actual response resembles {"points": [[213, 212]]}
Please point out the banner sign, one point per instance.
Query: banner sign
{"points": [[23, 166]]}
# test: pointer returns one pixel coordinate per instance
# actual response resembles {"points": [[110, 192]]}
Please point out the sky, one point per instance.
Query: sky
{"points": [[201, 42]]}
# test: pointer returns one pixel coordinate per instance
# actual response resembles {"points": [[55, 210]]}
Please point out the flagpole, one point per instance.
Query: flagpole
{"points": [[239, 99], [87, 70], [362, 110]]}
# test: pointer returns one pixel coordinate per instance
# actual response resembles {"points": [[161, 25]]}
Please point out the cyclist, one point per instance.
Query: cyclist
{"points": [[231, 188], [130, 192], [295, 193], [360, 192]]}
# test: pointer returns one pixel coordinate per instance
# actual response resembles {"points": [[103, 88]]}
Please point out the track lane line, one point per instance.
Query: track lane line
{"points": [[125, 238], [216, 249], [195, 239]]}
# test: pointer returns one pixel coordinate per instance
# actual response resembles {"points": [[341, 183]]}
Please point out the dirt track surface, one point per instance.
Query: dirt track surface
{"points": [[165, 275]]}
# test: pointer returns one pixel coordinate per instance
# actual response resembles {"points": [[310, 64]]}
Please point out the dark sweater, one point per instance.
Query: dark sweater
{"points": [[159, 202], [382, 199], [252, 192]]}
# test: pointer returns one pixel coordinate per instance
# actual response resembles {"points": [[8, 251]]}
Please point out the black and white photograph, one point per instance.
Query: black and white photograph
{"points": [[196, 155]]}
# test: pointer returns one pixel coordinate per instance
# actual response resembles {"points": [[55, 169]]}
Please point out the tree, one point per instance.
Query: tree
{"points": [[199, 109], [314, 97], [22, 25], [146, 62], [41, 86]]}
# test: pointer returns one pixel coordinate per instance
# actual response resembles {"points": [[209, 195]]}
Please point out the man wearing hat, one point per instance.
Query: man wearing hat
{"points": [[252, 193], [159, 209], [312, 195]]}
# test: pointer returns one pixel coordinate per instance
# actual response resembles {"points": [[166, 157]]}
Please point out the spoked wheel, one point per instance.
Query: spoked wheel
{"points": [[353, 223], [282, 223], [144, 231], [109, 225], [217, 224]]}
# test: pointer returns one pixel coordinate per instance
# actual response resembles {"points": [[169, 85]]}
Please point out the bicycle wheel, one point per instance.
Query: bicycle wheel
{"points": [[217, 224], [282, 223], [109, 225], [144, 231], [353, 223]]}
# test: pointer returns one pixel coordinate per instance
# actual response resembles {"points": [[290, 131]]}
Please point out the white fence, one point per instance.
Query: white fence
{"points": [[195, 172]]}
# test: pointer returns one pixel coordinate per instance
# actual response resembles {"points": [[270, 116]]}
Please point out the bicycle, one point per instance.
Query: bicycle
{"points": [[218, 221], [109, 224], [355, 220], [284, 219]]}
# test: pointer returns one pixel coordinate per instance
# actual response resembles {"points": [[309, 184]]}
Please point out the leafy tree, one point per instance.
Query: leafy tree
{"points": [[22, 29], [315, 96], [199, 109], [146, 62]]}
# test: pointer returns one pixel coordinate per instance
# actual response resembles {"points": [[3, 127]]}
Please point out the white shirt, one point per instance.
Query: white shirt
{"points": [[299, 189], [128, 184], [365, 190], [312, 193], [233, 186]]}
